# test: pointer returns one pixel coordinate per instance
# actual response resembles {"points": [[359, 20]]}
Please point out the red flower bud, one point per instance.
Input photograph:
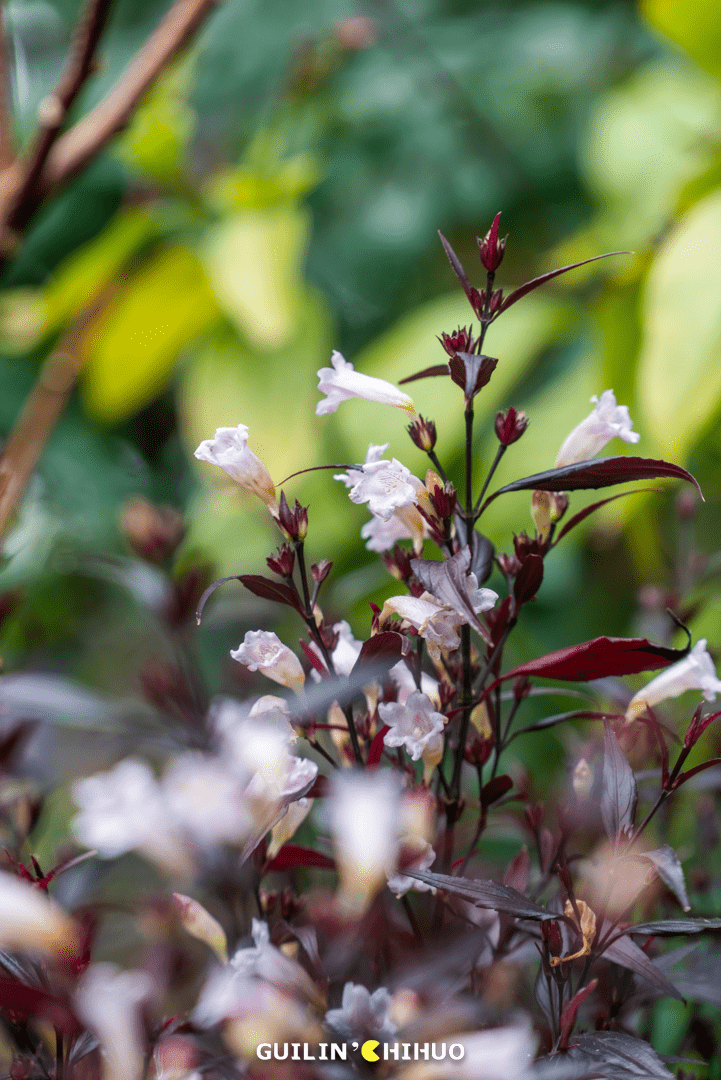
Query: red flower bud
{"points": [[321, 570], [459, 341], [283, 562], [423, 434], [510, 426], [491, 249], [293, 523]]}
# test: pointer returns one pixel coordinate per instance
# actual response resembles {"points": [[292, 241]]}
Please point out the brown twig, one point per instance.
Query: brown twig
{"points": [[7, 132], [77, 147], [24, 197], [41, 411]]}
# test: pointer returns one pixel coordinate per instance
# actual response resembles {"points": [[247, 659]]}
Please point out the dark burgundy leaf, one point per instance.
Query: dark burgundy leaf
{"points": [[619, 794], [314, 660], [495, 789], [458, 270], [603, 1055], [669, 869], [427, 373], [579, 517], [692, 772], [376, 748], [528, 579], [291, 856], [385, 646], [597, 659], [319, 790], [517, 872], [671, 927], [272, 590], [597, 473], [448, 582], [34, 1003], [486, 894], [529, 286], [627, 954], [568, 1016]]}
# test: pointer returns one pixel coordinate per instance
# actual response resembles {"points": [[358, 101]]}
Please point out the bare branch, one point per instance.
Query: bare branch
{"points": [[7, 132], [53, 112], [77, 147]]}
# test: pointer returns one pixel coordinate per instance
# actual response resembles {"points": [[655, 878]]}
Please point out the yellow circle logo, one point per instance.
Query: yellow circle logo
{"points": [[368, 1050]]}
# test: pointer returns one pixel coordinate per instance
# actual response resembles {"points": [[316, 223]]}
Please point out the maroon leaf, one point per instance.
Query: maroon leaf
{"points": [[486, 894], [34, 1003], [597, 659], [314, 660], [568, 1016], [671, 927], [427, 373], [517, 872], [458, 270], [292, 855], [495, 789], [582, 514], [272, 590], [319, 789], [625, 952], [385, 646], [669, 869], [447, 581], [619, 794], [604, 1055], [529, 286], [376, 748], [692, 772], [597, 473]]}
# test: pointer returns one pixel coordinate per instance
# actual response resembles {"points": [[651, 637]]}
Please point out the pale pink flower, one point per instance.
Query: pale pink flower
{"points": [[30, 920], [205, 800], [374, 453], [229, 450], [382, 535], [423, 857], [412, 725], [109, 1002], [607, 421], [387, 486], [341, 382], [263, 651], [503, 1053], [438, 623], [695, 672], [401, 675], [363, 810], [361, 1014]]}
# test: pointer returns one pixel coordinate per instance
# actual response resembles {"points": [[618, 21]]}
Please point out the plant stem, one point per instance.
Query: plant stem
{"points": [[499, 454]]}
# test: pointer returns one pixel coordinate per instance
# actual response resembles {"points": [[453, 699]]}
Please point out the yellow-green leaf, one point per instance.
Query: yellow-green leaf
{"points": [[695, 26], [679, 377], [131, 352]]}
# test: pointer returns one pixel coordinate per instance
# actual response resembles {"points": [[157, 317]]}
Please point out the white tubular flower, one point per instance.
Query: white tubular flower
{"points": [[387, 486], [229, 450], [263, 651], [436, 624], [288, 825], [694, 672], [109, 1001], [401, 675], [494, 1054], [205, 800], [607, 421], [30, 920], [382, 535], [363, 810], [412, 725], [432, 756], [342, 382], [200, 924], [374, 453], [416, 854], [123, 810], [362, 1014]]}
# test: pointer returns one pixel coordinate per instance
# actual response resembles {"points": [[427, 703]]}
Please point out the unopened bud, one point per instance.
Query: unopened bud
{"points": [[423, 434], [200, 924], [558, 505], [460, 341], [528, 579], [491, 249], [510, 425], [444, 501], [509, 565], [293, 523], [582, 780], [551, 933], [541, 512], [153, 532], [321, 570], [283, 562]]}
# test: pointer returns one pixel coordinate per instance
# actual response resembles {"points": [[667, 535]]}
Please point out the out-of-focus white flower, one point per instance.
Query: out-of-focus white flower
{"points": [[109, 1001], [229, 450], [607, 421], [262, 650], [401, 675], [342, 382], [205, 800], [199, 923], [694, 672], [387, 486], [30, 920], [363, 812], [411, 725], [123, 810], [494, 1054], [417, 854], [432, 756], [361, 1014]]}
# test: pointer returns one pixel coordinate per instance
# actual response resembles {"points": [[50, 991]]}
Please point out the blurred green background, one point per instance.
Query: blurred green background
{"points": [[279, 195]]}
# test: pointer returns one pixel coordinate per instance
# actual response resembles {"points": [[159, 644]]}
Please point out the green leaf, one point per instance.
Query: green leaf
{"points": [[679, 377], [696, 27], [131, 351]]}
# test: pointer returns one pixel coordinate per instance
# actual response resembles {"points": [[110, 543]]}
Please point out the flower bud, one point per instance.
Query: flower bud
{"points": [[541, 512], [398, 563], [283, 562], [551, 934], [490, 248], [582, 780], [423, 434], [320, 570], [510, 425], [200, 924], [153, 532], [444, 501], [558, 505], [293, 523], [460, 341], [528, 579], [509, 564]]}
